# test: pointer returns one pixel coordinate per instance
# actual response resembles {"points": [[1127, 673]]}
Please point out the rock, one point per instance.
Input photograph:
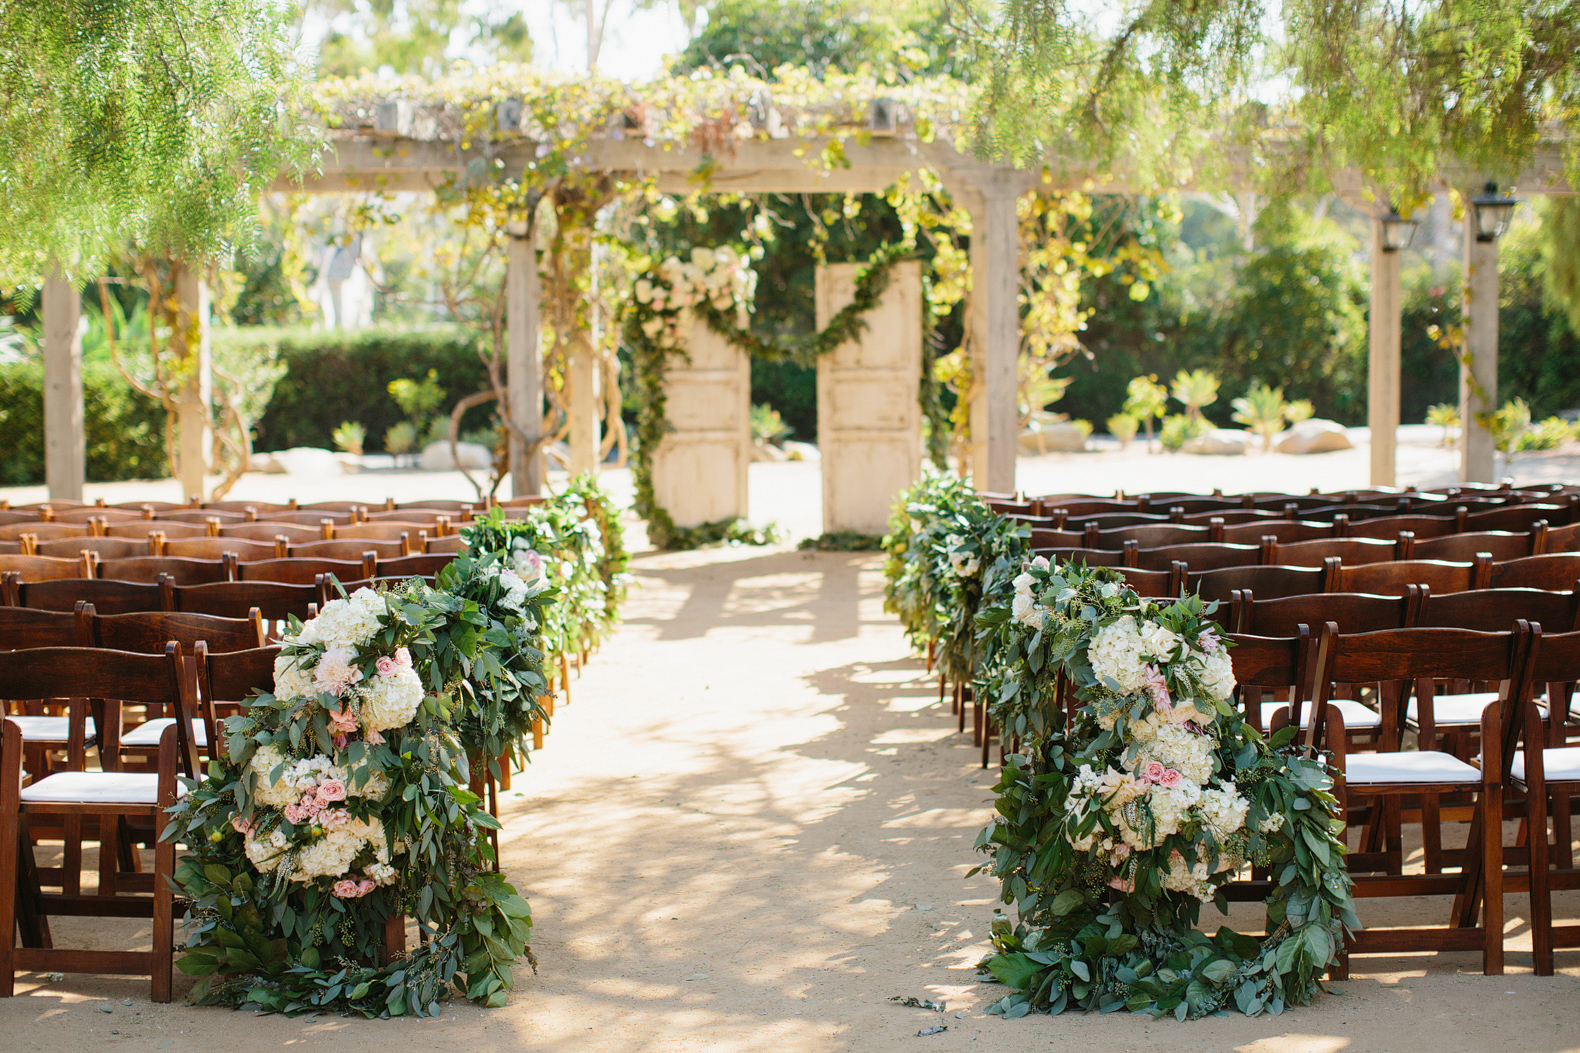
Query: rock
{"points": [[266, 463], [1313, 436], [1217, 442], [767, 451], [306, 460], [437, 458], [1052, 437], [802, 451]]}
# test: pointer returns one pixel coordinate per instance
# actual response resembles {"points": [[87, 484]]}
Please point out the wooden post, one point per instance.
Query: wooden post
{"points": [[1478, 455], [995, 335], [1382, 384], [194, 417], [524, 361], [65, 444]]}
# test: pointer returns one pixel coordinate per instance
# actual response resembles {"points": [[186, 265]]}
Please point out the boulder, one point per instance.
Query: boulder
{"points": [[475, 458], [801, 451], [1052, 437], [1217, 442], [1313, 436], [767, 451], [304, 460], [266, 463]]}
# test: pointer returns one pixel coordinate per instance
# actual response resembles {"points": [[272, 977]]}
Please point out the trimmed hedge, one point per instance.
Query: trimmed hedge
{"points": [[125, 430], [339, 375]]}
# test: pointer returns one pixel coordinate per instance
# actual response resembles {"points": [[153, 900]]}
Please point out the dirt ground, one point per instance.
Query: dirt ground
{"points": [[750, 827]]}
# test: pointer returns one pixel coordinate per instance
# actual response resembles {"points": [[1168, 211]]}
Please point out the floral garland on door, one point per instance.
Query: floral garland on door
{"points": [[338, 801], [1113, 830], [717, 286]]}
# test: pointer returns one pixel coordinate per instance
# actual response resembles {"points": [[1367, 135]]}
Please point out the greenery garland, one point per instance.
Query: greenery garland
{"points": [[652, 334]]}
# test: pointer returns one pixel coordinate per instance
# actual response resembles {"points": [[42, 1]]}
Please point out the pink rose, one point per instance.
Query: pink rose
{"points": [[1207, 640], [373, 738], [339, 739], [403, 656], [1125, 885], [334, 818], [1170, 779], [240, 825], [1121, 853], [346, 888], [387, 665], [294, 814], [343, 720], [309, 805], [1153, 771], [365, 886], [1156, 683], [332, 790], [1040, 562]]}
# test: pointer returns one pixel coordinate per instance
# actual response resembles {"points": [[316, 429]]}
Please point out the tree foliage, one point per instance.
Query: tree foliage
{"points": [[158, 121]]}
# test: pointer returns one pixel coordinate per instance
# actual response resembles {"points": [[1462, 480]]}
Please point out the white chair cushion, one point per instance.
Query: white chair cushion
{"points": [[1558, 765], [48, 729], [1422, 766], [1355, 715], [1459, 709], [97, 787], [146, 735]]}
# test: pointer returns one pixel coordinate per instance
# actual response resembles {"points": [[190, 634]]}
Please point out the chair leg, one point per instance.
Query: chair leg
{"points": [[1541, 888], [1563, 831], [1432, 832], [1492, 870], [10, 853]]}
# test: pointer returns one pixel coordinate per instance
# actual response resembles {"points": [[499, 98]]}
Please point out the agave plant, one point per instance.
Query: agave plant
{"points": [[1299, 410], [1122, 426], [1262, 409], [1446, 416], [1145, 399], [1195, 390]]}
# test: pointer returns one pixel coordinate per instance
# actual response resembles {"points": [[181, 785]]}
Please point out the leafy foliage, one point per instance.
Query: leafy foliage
{"points": [[159, 121]]}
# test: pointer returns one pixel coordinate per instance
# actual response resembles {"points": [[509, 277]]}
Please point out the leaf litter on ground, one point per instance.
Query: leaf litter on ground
{"points": [[918, 1003]]}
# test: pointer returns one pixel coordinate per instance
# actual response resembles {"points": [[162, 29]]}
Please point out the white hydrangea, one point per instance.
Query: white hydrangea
{"points": [[350, 622], [266, 853], [390, 701], [1224, 811], [1116, 654], [1176, 747], [1216, 673], [1272, 824], [963, 563], [270, 794], [332, 854], [290, 680], [1168, 810], [1191, 879]]}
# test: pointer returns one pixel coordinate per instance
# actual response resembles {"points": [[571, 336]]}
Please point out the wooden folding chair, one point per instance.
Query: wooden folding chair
{"points": [[110, 597], [103, 796], [351, 548], [1203, 556], [304, 571], [1553, 572], [1422, 658], [217, 547], [104, 547], [180, 569], [1392, 579]]}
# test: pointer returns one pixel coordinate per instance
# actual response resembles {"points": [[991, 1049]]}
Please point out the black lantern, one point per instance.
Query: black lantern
{"points": [[1493, 212], [1397, 231]]}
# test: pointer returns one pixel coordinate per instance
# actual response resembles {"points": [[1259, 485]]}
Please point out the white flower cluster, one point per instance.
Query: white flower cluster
{"points": [[350, 622], [1116, 654], [1176, 746], [963, 561], [1215, 672], [716, 276], [390, 701], [332, 854], [1025, 607], [302, 776], [1224, 811]]}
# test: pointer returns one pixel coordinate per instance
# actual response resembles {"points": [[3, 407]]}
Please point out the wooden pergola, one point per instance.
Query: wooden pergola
{"points": [[395, 151]]}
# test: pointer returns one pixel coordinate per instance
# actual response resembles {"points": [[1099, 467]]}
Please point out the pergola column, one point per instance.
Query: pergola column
{"points": [[994, 333], [194, 416], [65, 443], [584, 405], [1382, 373], [524, 362], [1478, 454]]}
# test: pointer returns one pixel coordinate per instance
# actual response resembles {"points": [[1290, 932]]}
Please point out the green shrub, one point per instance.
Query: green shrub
{"points": [[125, 431], [343, 375], [1548, 435], [1179, 429]]}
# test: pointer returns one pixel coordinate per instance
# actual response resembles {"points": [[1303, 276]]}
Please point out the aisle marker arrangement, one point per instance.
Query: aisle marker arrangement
{"points": [[340, 802], [1117, 821]]}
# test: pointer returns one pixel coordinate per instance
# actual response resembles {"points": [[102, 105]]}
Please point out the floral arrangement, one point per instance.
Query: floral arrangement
{"points": [[718, 277], [339, 801], [1136, 794]]}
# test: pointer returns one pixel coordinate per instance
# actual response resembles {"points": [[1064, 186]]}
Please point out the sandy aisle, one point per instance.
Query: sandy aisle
{"points": [[747, 831]]}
